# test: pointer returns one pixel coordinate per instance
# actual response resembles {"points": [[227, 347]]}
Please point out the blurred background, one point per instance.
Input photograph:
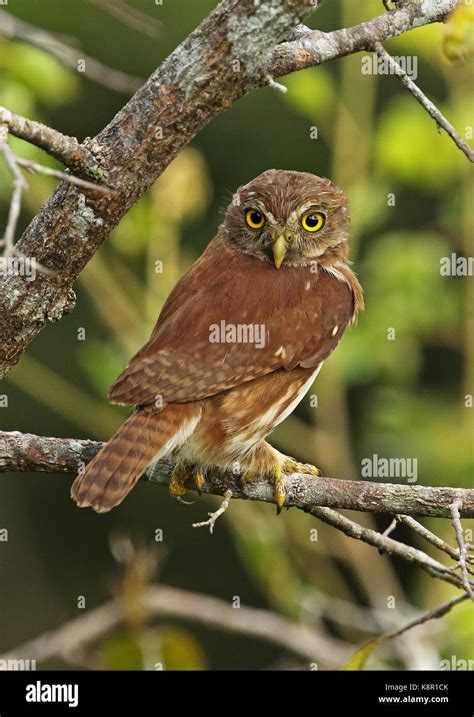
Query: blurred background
{"points": [[395, 398]]}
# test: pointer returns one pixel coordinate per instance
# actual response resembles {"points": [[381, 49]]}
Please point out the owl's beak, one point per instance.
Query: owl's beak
{"points": [[280, 247]]}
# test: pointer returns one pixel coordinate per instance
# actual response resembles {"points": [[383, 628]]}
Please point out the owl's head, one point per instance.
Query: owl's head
{"points": [[289, 218]]}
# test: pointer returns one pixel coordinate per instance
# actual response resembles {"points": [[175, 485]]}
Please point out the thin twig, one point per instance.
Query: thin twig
{"points": [[66, 149], [71, 178], [162, 602], [130, 16], [276, 85], [214, 516], [13, 28], [456, 516], [19, 184], [432, 615], [14, 163], [390, 528], [429, 106], [429, 536], [386, 545]]}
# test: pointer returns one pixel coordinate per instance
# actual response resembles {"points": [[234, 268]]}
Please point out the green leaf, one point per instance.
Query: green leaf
{"points": [[360, 657]]}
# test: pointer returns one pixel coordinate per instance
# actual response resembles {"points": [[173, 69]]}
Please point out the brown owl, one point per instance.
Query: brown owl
{"points": [[238, 343]]}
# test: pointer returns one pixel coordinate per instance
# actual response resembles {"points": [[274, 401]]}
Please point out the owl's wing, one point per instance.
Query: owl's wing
{"points": [[264, 320]]}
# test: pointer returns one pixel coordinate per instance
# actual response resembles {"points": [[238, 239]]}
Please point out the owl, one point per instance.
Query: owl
{"points": [[237, 345]]}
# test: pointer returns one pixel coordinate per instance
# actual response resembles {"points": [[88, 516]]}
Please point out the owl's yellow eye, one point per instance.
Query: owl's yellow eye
{"points": [[313, 221], [254, 218]]}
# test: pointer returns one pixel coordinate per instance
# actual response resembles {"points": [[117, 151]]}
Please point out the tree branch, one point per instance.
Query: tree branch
{"points": [[313, 47], [23, 452], [66, 149], [14, 29], [387, 545], [240, 46], [165, 602], [456, 507], [420, 97], [130, 16]]}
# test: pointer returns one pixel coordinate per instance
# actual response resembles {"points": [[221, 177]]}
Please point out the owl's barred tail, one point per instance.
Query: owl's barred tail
{"points": [[113, 472]]}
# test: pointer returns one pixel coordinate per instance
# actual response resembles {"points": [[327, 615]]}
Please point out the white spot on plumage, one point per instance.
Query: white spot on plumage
{"points": [[281, 352]]}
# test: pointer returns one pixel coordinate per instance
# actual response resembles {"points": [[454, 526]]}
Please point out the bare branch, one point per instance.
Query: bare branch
{"points": [[431, 108], [216, 514], [71, 178], [19, 184], [26, 452], [316, 47], [14, 29], [432, 615], [390, 528], [66, 149], [385, 544], [165, 602], [456, 508], [14, 163], [429, 536], [23, 452], [130, 16]]}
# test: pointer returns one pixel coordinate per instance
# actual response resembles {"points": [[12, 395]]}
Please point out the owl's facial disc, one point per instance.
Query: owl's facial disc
{"points": [[289, 218]]}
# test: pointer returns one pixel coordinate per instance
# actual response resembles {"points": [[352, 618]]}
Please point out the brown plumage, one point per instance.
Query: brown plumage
{"points": [[212, 401]]}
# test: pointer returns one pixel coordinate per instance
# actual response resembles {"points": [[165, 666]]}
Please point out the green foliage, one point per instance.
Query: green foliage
{"points": [[411, 151], [164, 648], [120, 651], [311, 92], [394, 398], [42, 75], [401, 276], [181, 650]]}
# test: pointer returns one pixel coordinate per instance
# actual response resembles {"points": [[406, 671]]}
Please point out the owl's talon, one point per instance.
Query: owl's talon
{"points": [[179, 476], [277, 477], [199, 480], [278, 480]]}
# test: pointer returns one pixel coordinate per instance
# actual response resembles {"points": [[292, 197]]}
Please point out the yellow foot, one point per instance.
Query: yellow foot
{"points": [[289, 465], [181, 473]]}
